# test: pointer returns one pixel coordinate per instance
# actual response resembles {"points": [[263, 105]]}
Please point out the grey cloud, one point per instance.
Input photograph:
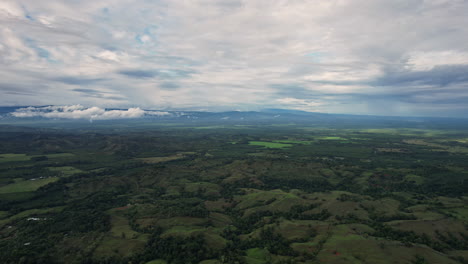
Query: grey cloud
{"points": [[99, 94], [78, 80], [439, 76], [163, 74], [295, 90], [169, 86], [88, 91], [298, 90], [15, 89], [461, 100], [138, 73]]}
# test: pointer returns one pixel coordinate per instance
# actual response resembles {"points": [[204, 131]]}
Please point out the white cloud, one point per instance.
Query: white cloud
{"points": [[11, 8], [81, 112], [423, 61], [156, 113], [108, 55], [300, 104]]}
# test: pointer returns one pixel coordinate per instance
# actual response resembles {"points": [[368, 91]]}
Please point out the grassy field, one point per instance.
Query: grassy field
{"points": [[157, 261], [267, 144], [304, 142], [211, 261], [183, 231], [332, 138], [257, 256], [8, 157], [60, 155], [121, 228], [121, 240], [418, 180], [438, 146], [30, 213], [26, 185], [152, 160], [3, 214], [65, 171], [117, 247]]}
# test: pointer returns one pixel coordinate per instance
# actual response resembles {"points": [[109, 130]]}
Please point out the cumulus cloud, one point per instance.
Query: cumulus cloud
{"points": [[81, 112], [224, 55]]}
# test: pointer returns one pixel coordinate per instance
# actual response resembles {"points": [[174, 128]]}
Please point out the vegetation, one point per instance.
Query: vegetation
{"points": [[271, 193], [267, 144]]}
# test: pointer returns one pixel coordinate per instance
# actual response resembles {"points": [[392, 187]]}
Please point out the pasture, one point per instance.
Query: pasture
{"points": [[267, 144], [26, 185]]}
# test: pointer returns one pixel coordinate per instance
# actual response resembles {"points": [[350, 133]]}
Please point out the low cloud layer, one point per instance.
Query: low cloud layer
{"points": [[402, 57], [81, 112]]}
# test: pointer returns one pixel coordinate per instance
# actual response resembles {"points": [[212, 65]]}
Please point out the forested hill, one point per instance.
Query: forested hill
{"points": [[113, 192]]}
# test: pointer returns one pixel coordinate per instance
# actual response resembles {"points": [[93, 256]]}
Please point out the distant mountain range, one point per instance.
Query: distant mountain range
{"points": [[263, 117]]}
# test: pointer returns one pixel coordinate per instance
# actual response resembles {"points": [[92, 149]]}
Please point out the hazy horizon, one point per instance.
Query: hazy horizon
{"points": [[114, 113]]}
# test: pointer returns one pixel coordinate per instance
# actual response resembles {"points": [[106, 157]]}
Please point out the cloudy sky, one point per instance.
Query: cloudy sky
{"points": [[407, 57]]}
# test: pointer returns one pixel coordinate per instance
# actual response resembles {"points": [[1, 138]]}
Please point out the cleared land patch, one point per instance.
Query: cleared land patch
{"points": [[437, 146], [26, 185], [113, 247], [257, 256], [11, 157], [157, 261], [392, 150], [267, 144], [183, 231], [121, 228], [303, 142], [332, 138], [59, 155], [8, 157], [418, 180], [152, 160], [3, 214], [65, 171], [460, 213], [31, 212]]}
